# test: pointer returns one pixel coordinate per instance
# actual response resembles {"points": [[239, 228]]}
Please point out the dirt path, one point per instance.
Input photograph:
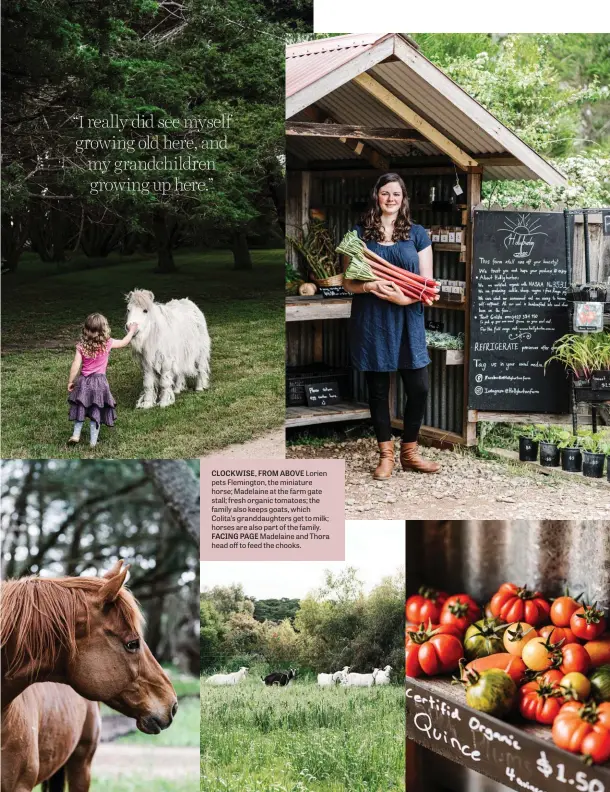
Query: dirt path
{"points": [[118, 759], [270, 445], [465, 488]]}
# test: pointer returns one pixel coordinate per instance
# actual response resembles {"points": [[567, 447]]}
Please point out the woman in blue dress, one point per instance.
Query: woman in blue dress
{"points": [[387, 331]]}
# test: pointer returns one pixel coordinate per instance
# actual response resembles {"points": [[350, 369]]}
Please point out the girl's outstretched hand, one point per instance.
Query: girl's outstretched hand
{"points": [[132, 327]]}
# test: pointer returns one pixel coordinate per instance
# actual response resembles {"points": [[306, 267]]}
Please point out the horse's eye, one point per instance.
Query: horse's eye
{"points": [[132, 646], [145, 310]]}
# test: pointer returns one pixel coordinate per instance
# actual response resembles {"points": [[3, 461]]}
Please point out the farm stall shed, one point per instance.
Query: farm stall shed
{"points": [[360, 105], [476, 557]]}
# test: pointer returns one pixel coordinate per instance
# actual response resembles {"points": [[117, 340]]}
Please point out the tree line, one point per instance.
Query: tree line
{"points": [[66, 59], [336, 625]]}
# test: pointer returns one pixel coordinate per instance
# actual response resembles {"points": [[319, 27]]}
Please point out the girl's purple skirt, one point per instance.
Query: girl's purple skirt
{"points": [[91, 398]]}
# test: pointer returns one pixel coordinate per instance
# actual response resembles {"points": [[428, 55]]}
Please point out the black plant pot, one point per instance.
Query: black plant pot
{"points": [[528, 449], [593, 465], [571, 460], [549, 455]]}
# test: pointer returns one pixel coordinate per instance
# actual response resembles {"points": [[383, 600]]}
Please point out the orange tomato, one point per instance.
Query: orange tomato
{"points": [[599, 650], [516, 636]]}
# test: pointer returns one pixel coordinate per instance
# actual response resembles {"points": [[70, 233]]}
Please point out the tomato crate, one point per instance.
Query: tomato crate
{"points": [[515, 752]]}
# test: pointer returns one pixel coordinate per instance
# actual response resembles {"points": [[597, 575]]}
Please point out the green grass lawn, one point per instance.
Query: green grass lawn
{"points": [[302, 738], [43, 310]]}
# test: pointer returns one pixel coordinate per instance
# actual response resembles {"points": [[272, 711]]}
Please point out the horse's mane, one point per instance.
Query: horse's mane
{"points": [[40, 615]]}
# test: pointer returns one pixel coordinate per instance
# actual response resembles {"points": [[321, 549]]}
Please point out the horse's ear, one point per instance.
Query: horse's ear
{"points": [[115, 578], [149, 294]]}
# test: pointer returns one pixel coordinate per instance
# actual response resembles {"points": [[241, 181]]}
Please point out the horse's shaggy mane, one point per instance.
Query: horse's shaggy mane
{"points": [[40, 615], [141, 298]]}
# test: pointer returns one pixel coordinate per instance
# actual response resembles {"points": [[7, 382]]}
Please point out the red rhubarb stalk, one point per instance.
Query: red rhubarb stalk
{"points": [[403, 280], [373, 257]]}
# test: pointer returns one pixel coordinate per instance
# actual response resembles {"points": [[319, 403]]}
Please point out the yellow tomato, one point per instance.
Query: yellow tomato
{"points": [[576, 686], [536, 656], [516, 636]]}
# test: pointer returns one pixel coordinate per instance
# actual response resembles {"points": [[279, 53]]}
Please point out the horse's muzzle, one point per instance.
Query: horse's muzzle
{"points": [[154, 724]]}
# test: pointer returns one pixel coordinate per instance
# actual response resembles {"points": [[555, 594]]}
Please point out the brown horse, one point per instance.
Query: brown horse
{"points": [[85, 633]]}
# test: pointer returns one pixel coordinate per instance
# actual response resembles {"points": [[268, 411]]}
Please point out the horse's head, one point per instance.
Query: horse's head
{"points": [[112, 662], [140, 303]]}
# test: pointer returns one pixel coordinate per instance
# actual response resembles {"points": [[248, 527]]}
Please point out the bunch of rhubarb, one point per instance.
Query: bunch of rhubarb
{"points": [[368, 266]]}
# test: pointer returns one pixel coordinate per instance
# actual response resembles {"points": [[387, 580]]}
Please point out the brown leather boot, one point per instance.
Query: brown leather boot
{"points": [[384, 469], [411, 460]]}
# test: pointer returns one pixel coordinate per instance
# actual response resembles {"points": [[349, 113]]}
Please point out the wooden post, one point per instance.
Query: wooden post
{"points": [[473, 198]]}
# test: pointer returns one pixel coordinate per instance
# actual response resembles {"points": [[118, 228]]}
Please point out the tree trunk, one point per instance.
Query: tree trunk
{"points": [[178, 487], [163, 240], [14, 234], [241, 254]]}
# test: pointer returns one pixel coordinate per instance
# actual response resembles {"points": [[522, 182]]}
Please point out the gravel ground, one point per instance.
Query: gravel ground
{"points": [[465, 488], [269, 446]]}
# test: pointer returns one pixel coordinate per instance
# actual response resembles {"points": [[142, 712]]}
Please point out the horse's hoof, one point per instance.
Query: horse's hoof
{"points": [[167, 401], [144, 404]]}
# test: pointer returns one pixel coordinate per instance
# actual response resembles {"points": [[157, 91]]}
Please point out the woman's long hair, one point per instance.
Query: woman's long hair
{"points": [[94, 335], [371, 220]]}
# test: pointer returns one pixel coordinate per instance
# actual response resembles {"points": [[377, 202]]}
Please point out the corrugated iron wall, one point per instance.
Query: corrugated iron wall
{"points": [[344, 199], [477, 557]]}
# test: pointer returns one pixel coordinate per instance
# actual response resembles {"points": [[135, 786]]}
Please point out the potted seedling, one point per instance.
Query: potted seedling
{"points": [[593, 458], [600, 375], [579, 354], [528, 444], [571, 456], [604, 448], [549, 450]]}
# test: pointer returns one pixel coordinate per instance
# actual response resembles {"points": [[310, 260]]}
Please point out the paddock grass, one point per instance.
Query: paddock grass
{"points": [[135, 784], [43, 310], [302, 738]]}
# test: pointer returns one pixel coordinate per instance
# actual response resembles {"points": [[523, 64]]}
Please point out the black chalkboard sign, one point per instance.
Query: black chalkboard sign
{"points": [[322, 394], [333, 292], [503, 751], [518, 309]]}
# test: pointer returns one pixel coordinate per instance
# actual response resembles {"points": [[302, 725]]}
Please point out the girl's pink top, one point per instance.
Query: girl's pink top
{"points": [[97, 364]]}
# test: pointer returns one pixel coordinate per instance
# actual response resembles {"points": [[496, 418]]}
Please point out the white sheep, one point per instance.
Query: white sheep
{"points": [[329, 680]]}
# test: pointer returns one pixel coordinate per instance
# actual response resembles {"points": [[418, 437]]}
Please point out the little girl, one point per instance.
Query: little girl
{"points": [[90, 395]]}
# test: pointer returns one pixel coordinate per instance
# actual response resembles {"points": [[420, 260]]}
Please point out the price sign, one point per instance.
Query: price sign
{"points": [[580, 780], [517, 755]]}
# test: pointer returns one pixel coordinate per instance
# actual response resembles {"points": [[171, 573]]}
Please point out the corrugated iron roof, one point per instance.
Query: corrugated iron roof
{"points": [[303, 67], [315, 75]]}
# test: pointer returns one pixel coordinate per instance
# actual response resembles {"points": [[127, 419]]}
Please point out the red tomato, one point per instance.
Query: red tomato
{"points": [[576, 722], [540, 701], [597, 745], [412, 666], [513, 604], [425, 606], [422, 632], [588, 623], [440, 654], [556, 635], [551, 677], [460, 610], [562, 610], [574, 657]]}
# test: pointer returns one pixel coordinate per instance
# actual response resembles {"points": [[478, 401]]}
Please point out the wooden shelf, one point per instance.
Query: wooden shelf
{"points": [[448, 247], [453, 357], [341, 411], [514, 752], [309, 309], [450, 306]]}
